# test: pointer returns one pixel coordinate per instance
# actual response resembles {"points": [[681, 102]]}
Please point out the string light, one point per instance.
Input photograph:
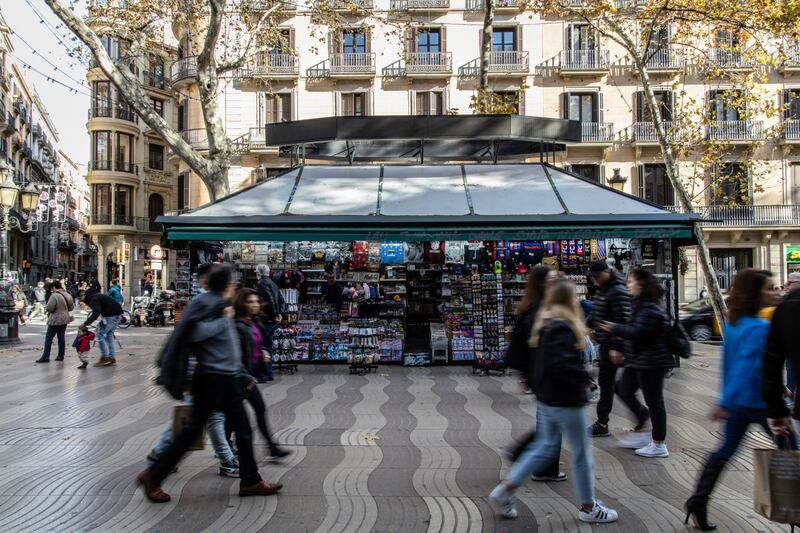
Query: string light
{"points": [[55, 68], [48, 77]]}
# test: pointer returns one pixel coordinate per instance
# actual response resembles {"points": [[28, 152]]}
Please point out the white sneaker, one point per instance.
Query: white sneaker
{"points": [[653, 450], [504, 500], [600, 514], [634, 440]]}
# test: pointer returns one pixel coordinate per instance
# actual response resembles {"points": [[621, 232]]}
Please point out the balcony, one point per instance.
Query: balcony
{"points": [[264, 5], [126, 113], [748, 215], [791, 132], [345, 5], [422, 64], [735, 131], [22, 110], [665, 61], [271, 65], [630, 4], [352, 65], [155, 80], [584, 62], [126, 167], [106, 219], [597, 133], [499, 5], [5, 78], [101, 166], [730, 60], [500, 64], [420, 5], [645, 132], [183, 69], [11, 123], [791, 63], [197, 138]]}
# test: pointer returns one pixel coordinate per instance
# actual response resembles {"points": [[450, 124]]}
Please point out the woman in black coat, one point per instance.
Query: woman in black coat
{"points": [[647, 360], [252, 342]]}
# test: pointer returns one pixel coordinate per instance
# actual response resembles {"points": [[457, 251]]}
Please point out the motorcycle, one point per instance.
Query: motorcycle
{"points": [[139, 309], [161, 309]]}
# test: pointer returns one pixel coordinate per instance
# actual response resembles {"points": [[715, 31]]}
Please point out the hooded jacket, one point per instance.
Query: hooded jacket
{"points": [[783, 343], [611, 304], [101, 305]]}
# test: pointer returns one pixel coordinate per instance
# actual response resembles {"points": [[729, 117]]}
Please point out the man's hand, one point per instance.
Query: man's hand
{"points": [[718, 413], [616, 357], [228, 312], [606, 326], [265, 355], [780, 427]]}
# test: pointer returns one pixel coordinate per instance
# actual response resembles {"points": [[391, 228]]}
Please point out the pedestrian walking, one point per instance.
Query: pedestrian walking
{"points": [[104, 306], [207, 330], [20, 302], [39, 302], [561, 383], [647, 359], [612, 303], [48, 287], [228, 464], [115, 292], [274, 307], [782, 351], [521, 357], [742, 404], [253, 341], [82, 344], [58, 306]]}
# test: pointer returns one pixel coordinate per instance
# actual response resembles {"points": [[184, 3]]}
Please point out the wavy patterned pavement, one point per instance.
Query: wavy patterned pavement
{"points": [[400, 450]]}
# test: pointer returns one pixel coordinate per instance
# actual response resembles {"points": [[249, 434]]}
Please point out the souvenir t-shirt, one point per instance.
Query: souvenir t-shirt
{"points": [[454, 251], [434, 252], [392, 253], [415, 252], [360, 254]]}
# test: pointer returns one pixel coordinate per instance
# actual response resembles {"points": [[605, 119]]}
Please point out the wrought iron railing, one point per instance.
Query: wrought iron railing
{"points": [[423, 62], [198, 137], [477, 5], [155, 80], [107, 219], [125, 166], [747, 215], [591, 59], [646, 131], [499, 62], [257, 138], [270, 63], [724, 58], [665, 59], [353, 63], [593, 132], [405, 5], [792, 58], [791, 130], [183, 68], [735, 130], [101, 165], [345, 5]]}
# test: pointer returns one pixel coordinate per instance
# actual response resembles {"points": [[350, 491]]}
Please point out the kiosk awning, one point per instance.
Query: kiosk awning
{"points": [[427, 202]]}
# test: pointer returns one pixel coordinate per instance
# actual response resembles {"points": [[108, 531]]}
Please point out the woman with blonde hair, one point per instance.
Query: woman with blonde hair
{"points": [[561, 384]]}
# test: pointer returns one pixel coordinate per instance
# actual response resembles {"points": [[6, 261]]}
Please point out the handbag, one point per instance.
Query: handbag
{"points": [[180, 417], [776, 484], [66, 307]]}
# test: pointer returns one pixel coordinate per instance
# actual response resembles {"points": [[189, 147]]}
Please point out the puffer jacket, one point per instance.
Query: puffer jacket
{"points": [[59, 306], [519, 355], [611, 304], [559, 377], [645, 336], [244, 330]]}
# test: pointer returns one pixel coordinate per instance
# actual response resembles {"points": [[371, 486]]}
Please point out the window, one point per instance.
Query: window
{"points": [[155, 206], [429, 103], [664, 100], [283, 44], [101, 203], [504, 40], [589, 172], [101, 150], [581, 107], [730, 185], [279, 107], [123, 207], [654, 185], [155, 156], [354, 105], [354, 42], [125, 153], [429, 41], [183, 111], [183, 191], [101, 99], [722, 106], [158, 106], [581, 37]]}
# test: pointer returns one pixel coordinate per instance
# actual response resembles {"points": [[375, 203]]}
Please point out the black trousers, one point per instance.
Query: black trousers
{"points": [[213, 392], [53, 331], [257, 402], [605, 380], [651, 381]]}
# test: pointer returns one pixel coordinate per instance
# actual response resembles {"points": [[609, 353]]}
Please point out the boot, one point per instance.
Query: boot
{"points": [[697, 505]]}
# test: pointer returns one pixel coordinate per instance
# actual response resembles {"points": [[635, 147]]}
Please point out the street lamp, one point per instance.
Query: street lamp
{"points": [[617, 181]]}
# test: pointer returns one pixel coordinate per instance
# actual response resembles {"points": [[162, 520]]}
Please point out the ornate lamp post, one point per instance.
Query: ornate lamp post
{"points": [[617, 181]]}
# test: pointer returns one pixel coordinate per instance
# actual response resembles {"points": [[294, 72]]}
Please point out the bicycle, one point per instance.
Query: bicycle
{"points": [[125, 320], [113, 334]]}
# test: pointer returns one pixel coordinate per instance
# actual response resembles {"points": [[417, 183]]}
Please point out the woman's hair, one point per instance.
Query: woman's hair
{"points": [[746, 298], [57, 285], [649, 287], [534, 289], [240, 302], [560, 303]]}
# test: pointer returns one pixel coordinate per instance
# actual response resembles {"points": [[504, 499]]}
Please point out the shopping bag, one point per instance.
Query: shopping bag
{"points": [[180, 417], [776, 485]]}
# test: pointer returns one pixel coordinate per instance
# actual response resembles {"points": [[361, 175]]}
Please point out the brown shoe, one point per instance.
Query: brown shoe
{"points": [[104, 361], [152, 491], [262, 488]]}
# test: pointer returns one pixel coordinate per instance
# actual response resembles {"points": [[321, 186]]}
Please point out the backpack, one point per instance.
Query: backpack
{"points": [[678, 341]]}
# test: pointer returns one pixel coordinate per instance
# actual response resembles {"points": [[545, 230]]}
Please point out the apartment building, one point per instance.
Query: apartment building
{"points": [[77, 255], [131, 179], [542, 66]]}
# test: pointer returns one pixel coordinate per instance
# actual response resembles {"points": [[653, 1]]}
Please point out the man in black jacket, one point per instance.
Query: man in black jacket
{"points": [[105, 306], [274, 307], [782, 345], [611, 304]]}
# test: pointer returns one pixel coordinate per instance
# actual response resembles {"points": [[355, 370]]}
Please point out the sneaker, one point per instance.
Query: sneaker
{"points": [[112, 361], [561, 476], [653, 450], [229, 469], [599, 430], [151, 456], [505, 501], [635, 440], [276, 454], [600, 514]]}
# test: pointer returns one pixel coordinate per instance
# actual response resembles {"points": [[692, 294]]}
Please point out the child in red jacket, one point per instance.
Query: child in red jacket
{"points": [[83, 343]]}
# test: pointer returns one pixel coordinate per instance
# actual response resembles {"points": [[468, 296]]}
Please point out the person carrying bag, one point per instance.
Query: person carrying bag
{"points": [[776, 483]]}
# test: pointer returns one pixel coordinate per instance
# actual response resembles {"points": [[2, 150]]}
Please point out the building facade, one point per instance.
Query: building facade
{"points": [[77, 255], [543, 66]]}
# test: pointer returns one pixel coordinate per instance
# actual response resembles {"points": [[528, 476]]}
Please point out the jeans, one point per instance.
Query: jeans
{"points": [[105, 336], [212, 392], [605, 380], [651, 381], [552, 422], [53, 331], [216, 434], [739, 419]]}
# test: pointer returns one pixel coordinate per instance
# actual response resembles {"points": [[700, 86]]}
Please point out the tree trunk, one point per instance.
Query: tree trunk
{"points": [[486, 46], [673, 172], [217, 184]]}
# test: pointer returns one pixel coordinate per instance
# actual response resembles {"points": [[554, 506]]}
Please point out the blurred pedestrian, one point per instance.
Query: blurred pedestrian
{"points": [[102, 305], [39, 302], [742, 404], [561, 383], [58, 307], [115, 291], [20, 302], [274, 307]]}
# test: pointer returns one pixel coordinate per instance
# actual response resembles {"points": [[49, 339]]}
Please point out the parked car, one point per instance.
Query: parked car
{"points": [[697, 318]]}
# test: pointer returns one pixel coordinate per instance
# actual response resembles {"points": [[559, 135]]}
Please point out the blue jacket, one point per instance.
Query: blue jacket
{"points": [[743, 358], [115, 292]]}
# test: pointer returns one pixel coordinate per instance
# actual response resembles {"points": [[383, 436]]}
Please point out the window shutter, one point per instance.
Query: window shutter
{"points": [[599, 110], [786, 101], [639, 106], [348, 106], [368, 104], [443, 39], [270, 109], [640, 179], [518, 38], [568, 37], [286, 111], [601, 174], [367, 41], [411, 40], [437, 103], [565, 105], [419, 103], [292, 40], [521, 102]]}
